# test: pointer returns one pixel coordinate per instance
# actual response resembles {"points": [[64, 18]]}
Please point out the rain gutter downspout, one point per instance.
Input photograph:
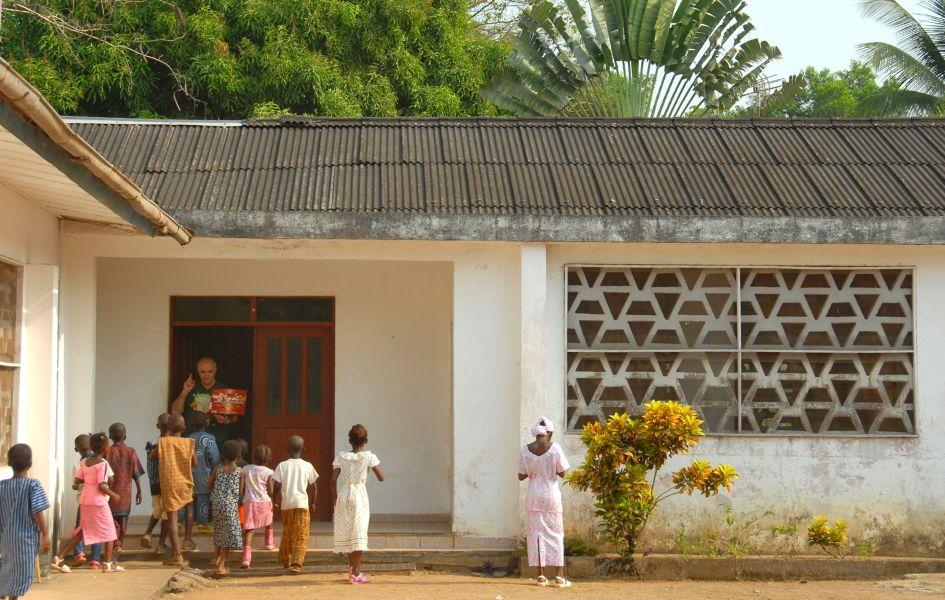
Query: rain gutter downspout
{"points": [[26, 100]]}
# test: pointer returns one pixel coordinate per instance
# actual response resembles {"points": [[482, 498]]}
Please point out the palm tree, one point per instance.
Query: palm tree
{"points": [[631, 58], [916, 62]]}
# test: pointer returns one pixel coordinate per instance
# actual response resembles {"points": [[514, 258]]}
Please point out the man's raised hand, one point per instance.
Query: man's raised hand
{"points": [[188, 384]]}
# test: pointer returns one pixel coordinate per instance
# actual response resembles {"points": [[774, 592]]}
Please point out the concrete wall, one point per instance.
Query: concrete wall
{"points": [[457, 455], [392, 344], [29, 238], [890, 490]]}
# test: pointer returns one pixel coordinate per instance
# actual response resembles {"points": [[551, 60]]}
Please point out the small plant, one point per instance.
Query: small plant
{"points": [[578, 546], [737, 538], [785, 539], [865, 549], [831, 539], [684, 545], [623, 461]]}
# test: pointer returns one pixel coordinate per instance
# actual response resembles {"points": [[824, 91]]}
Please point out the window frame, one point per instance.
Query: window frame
{"points": [[738, 268], [16, 366]]}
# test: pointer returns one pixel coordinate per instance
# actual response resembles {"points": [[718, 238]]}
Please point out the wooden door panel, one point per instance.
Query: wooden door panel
{"points": [[294, 395]]}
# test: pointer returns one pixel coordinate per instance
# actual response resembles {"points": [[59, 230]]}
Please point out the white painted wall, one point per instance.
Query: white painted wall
{"points": [[29, 238], [392, 343], [891, 490], [468, 452]]}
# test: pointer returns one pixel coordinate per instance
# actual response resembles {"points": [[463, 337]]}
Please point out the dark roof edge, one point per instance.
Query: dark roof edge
{"points": [[536, 228], [290, 120]]}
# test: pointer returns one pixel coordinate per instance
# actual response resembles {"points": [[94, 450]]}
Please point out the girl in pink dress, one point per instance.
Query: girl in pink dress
{"points": [[257, 501], [542, 463], [96, 524]]}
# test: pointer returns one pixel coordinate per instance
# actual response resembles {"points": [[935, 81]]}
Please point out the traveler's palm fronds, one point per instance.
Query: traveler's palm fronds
{"points": [[630, 58], [916, 62]]}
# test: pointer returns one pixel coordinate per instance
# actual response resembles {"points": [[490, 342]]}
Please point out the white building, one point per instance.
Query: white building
{"points": [[447, 282]]}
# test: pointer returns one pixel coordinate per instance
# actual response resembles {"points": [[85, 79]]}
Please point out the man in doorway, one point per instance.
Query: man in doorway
{"points": [[195, 395]]}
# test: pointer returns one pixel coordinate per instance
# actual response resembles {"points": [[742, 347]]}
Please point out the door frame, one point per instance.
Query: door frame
{"points": [[328, 326]]}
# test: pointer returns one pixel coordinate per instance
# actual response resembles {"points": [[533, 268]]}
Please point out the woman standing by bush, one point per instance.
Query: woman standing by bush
{"points": [[542, 463]]}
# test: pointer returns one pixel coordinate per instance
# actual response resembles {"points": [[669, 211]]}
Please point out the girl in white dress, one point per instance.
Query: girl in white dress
{"points": [[352, 509]]}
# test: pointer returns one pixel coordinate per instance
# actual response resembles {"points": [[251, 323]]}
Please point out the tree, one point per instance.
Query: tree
{"points": [[822, 93], [917, 61], [623, 461], [643, 58], [233, 58]]}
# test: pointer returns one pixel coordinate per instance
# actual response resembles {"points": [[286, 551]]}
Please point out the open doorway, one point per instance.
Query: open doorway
{"points": [[231, 347], [282, 352]]}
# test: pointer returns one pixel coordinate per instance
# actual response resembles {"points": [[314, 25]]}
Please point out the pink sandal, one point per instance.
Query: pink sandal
{"points": [[359, 578]]}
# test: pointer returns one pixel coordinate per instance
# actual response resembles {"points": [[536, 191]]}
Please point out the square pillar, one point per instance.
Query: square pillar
{"points": [[533, 341]]}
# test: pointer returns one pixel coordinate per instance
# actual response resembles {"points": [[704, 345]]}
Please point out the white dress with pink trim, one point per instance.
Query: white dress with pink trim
{"points": [[544, 522]]}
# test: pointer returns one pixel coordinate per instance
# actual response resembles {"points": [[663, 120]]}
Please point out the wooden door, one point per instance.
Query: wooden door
{"points": [[294, 395]]}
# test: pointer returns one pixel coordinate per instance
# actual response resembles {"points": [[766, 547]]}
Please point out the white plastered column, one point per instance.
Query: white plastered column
{"points": [[533, 338], [486, 412]]}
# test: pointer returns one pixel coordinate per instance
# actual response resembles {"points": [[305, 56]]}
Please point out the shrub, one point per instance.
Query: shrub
{"points": [[623, 460], [832, 540]]}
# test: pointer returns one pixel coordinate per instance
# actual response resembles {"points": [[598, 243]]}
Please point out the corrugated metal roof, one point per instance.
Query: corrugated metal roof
{"points": [[678, 168]]}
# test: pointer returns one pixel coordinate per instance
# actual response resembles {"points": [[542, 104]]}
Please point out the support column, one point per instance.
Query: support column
{"points": [[486, 393], [533, 339]]}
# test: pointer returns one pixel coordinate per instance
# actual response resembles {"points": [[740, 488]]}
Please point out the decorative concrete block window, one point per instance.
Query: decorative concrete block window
{"points": [[9, 351], [754, 350]]}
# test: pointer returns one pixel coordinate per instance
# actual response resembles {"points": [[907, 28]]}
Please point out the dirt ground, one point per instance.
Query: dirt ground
{"points": [[431, 586]]}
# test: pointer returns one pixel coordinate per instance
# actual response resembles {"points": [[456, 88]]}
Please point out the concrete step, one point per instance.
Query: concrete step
{"points": [[379, 541], [432, 559]]}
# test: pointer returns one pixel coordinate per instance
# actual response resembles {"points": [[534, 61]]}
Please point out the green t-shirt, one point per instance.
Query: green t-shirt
{"points": [[199, 399]]}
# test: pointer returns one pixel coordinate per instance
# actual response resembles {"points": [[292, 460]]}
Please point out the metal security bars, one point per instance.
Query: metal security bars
{"points": [[753, 350]]}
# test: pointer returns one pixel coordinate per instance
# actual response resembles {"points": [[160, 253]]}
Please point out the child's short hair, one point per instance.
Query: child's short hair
{"points": [[198, 420], [262, 454], [295, 444], [358, 435], [20, 457], [98, 441], [175, 424], [244, 447], [231, 450], [162, 420], [116, 432], [82, 438]]}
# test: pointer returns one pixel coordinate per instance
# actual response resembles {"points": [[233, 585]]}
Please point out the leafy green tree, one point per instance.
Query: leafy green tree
{"points": [[631, 58], [822, 93], [236, 58], [916, 61]]}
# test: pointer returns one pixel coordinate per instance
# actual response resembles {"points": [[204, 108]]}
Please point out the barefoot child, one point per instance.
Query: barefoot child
{"points": [[95, 550], [295, 491], [542, 462], [258, 489], [96, 524], [176, 460], [208, 457], [352, 509], [22, 525], [124, 462], [154, 483], [226, 485]]}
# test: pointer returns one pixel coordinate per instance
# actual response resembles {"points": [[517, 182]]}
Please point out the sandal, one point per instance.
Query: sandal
{"points": [[145, 541], [560, 582], [189, 546], [359, 578], [95, 565], [295, 569], [174, 561], [77, 561], [60, 565], [112, 567], [541, 580]]}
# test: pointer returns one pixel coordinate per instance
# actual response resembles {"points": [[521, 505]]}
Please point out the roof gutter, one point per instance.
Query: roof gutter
{"points": [[27, 100]]}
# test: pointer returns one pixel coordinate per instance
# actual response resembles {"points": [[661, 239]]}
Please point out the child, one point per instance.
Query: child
{"points": [[124, 461], [258, 490], [208, 457], [95, 523], [352, 509], [95, 552], [22, 524], [295, 491], [154, 481], [244, 453], [175, 468], [226, 483]]}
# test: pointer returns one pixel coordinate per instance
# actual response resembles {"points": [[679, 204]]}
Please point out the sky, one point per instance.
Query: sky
{"points": [[822, 33]]}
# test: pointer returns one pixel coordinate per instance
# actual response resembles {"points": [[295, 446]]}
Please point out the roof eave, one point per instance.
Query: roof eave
{"points": [[906, 230], [28, 116]]}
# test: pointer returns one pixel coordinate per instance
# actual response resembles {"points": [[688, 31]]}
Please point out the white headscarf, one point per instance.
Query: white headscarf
{"points": [[543, 427]]}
